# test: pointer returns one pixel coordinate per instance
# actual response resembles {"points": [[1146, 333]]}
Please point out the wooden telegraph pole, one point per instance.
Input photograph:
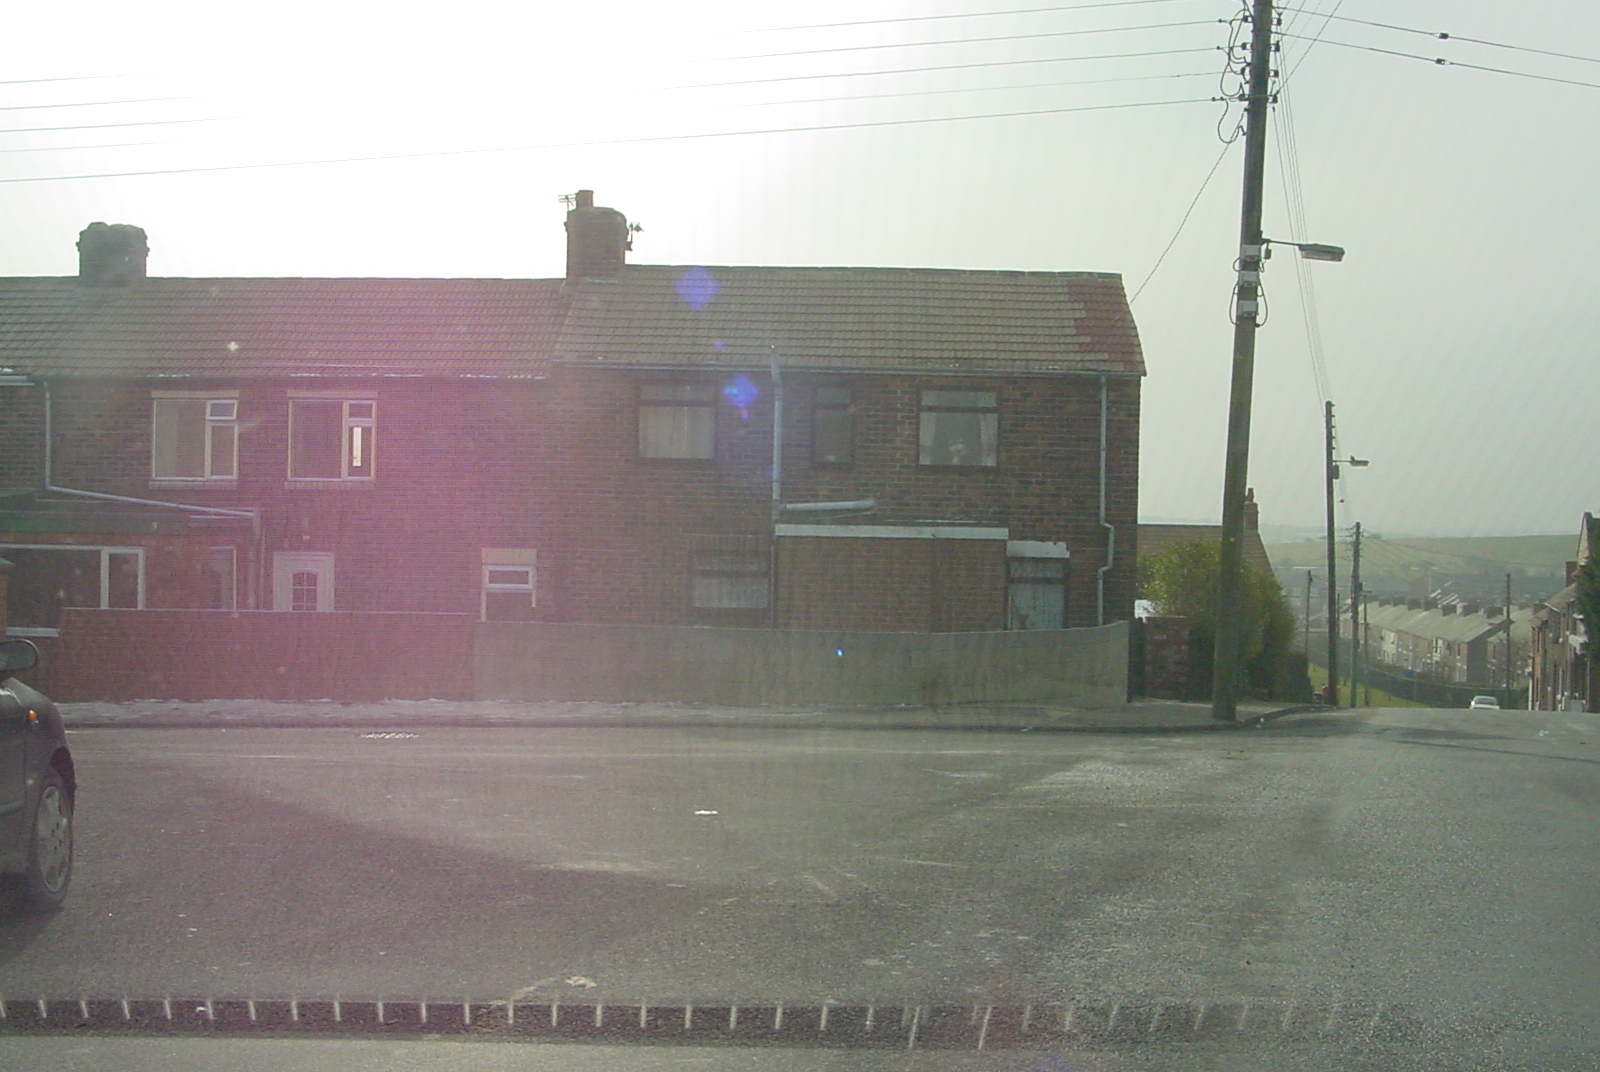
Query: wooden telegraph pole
{"points": [[1225, 683]]}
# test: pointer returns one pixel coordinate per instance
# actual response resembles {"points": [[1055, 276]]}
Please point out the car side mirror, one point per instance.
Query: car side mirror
{"points": [[17, 655]]}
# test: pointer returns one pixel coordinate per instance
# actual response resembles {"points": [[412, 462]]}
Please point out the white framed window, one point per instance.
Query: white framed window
{"points": [[507, 592], [959, 428], [46, 578], [194, 436], [677, 420], [332, 437]]}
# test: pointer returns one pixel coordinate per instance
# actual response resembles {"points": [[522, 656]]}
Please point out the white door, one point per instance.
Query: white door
{"points": [[302, 580]]}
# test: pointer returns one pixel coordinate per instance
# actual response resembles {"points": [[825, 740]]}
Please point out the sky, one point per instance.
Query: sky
{"points": [[1456, 340]]}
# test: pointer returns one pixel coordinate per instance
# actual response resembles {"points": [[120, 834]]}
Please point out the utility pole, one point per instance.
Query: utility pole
{"points": [[1508, 640], [1366, 656], [1307, 632], [1331, 473], [1225, 656], [1355, 609]]}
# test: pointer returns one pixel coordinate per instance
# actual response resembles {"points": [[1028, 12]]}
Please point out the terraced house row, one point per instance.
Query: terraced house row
{"points": [[885, 449]]}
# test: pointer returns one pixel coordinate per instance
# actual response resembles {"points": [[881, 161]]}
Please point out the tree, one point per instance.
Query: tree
{"points": [[1182, 582]]}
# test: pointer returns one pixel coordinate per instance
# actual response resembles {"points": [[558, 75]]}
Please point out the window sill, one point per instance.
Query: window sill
{"points": [[330, 485], [182, 484]]}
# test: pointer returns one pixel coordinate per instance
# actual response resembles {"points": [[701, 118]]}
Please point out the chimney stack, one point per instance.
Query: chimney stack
{"points": [[111, 254], [597, 239]]}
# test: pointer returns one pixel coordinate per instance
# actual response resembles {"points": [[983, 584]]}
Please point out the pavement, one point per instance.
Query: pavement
{"points": [[1143, 716]]}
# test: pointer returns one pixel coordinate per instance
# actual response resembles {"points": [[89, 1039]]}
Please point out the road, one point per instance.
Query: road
{"points": [[1437, 865]]}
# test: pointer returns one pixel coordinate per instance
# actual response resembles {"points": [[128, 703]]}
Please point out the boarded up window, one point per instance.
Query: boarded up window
{"points": [[1036, 593]]}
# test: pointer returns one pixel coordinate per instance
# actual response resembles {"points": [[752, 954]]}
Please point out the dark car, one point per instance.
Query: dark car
{"points": [[37, 788]]}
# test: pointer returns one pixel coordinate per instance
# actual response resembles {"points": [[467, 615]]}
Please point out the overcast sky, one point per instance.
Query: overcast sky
{"points": [[1457, 337]]}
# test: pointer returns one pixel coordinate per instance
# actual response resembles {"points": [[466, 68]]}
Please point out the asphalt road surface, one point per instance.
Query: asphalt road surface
{"points": [[1404, 889]]}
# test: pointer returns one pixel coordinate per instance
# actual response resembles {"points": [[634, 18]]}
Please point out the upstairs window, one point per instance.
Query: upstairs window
{"points": [[194, 436], [833, 427], [959, 428], [332, 438], [677, 420]]}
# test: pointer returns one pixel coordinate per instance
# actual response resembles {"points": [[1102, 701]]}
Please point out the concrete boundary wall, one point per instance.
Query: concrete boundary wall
{"points": [[213, 655], [543, 661]]}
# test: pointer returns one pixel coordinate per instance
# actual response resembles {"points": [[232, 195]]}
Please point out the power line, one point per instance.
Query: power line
{"points": [[1441, 62], [107, 126], [69, 78], [1470, 40], [78, 148], [947, 67], [982, 89], [88, 104], [1181, 223], [1294, 198], [958, 15], [814, 128], [1284, 83], [969, 40]]}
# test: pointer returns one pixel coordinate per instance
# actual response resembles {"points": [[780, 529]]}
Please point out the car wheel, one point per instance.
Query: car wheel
{"points": [[44, 884]]}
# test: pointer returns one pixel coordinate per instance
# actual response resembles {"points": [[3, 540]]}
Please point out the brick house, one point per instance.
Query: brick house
{"points": [[956, 450], [1563, 677]]}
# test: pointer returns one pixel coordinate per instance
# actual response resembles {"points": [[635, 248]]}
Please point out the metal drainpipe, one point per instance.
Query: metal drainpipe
{"points": [[1111, 530], [254, 515], [777, 488]]}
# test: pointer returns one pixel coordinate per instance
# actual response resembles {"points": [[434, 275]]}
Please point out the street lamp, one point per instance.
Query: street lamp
{"points": [[1254, 248], [1311, 251]]}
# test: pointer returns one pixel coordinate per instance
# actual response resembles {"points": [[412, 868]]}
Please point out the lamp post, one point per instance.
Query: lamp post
{"points": [[1331, 474], [1255, 249]]}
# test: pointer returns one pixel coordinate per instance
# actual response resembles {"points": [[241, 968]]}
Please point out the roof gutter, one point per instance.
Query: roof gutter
{"points": [[49, 485]]}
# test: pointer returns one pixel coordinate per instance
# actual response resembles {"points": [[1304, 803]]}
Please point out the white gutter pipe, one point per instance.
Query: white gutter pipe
{"points": [[1111, 530]]}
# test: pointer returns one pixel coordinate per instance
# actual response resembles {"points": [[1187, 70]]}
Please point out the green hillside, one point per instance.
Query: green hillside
{"points": [[1463, 553]]}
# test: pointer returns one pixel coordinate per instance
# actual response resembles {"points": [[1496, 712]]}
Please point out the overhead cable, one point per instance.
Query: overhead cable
{"points": [[968, 40], [1441, 62], [957, 15], [814, 128], [946, 67], [982, 89], [1471, 40]]}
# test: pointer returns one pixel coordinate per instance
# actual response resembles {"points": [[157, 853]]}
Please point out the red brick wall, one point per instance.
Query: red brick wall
{"points": [[552, 465], [206, 655], [1165, 649]]}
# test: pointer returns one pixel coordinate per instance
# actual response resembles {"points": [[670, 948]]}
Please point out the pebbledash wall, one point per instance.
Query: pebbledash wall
{"points": [[204, 655]]}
